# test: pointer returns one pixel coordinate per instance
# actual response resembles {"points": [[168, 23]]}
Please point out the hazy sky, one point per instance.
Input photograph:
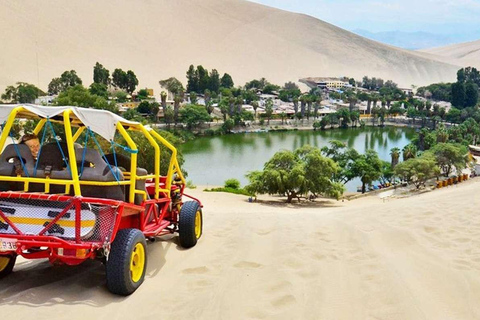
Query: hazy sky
{"points": [[435, 16]]}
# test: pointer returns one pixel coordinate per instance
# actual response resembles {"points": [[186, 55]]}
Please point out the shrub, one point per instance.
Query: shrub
{"points": [[232, 183]]}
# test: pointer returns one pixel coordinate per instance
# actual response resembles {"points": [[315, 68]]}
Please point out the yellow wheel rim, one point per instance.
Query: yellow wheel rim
{"points": [[4, 263], [198, 224], [137, 262]]}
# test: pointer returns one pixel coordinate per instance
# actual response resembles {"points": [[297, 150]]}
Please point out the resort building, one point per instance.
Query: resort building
{"points": [[45, 100], [331, 83]]}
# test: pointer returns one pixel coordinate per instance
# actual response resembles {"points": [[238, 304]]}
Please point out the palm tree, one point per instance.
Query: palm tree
{"points": [[395, 153], [176, 107], [255, 107], [375, 97], [303, 102], [295, 105], [163, 97], [352, 100], [354, 117], [269, 109], [442, 134], [239, 103], [10, 94], [231, 106], [409, 152]]}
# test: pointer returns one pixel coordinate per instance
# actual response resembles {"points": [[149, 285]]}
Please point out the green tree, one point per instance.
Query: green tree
{"points": [[67, 79], [142, 94], [345, 157], [144, 107], [121, 96], [368, 167], [417, 170], [226, 81], [458, 95], [131, 82], [449, 156], [163, 99], [295, 174], [409, 151], [101, 75], [395, 154], [119, 78], [79, 96], [228, 125], [193, 115], [344, 115], [22, 93], [453, 115], [471, 94], [173, 85], [168, 115], [55, 86], [214, 82], [99, 89], [192, 79], [268, 109]]}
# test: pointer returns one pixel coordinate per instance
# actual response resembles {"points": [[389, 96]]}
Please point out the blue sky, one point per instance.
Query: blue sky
{"points": [[452, 17]]}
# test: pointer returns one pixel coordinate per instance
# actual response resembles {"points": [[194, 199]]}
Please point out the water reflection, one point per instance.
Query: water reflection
{"points": [[212, 160]]}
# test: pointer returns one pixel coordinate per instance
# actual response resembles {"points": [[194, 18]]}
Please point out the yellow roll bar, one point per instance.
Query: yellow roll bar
{"points": [[69, 120]]}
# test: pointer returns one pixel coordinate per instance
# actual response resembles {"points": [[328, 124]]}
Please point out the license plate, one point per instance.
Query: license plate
{"points": [[8, 244]]}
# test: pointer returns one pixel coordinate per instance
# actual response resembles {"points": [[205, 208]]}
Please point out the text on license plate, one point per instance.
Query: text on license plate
{"points": [[8, 244]]}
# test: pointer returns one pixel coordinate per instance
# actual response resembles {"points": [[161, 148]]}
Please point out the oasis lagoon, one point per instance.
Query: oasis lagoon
{"points": [[210, 161]]}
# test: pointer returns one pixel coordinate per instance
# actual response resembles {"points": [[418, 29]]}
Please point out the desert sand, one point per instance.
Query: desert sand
{"points": [[409, 258], [160, 39], [467, 53]]}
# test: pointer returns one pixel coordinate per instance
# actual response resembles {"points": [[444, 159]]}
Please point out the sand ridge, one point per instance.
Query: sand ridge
{"points": [[467, 53], [410, 258], [160, 39]]}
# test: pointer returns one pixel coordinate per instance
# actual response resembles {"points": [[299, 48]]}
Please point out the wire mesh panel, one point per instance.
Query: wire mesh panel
{"points": [[94, 222]]}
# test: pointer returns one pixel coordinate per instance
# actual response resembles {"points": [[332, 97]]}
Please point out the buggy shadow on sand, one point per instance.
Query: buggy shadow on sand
{"points": [[76, 203]]}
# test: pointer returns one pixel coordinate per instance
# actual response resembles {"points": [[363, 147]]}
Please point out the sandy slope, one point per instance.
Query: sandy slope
{"points": [[158, 39], [411, 258], [467, 53]]}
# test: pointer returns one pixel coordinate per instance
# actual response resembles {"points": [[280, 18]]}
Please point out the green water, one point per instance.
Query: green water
{"points": [[212, 160]]}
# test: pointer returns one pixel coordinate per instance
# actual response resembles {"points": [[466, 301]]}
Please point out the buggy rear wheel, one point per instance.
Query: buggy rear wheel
{"points": [[6, 264], [127, 262], [190, 224]]}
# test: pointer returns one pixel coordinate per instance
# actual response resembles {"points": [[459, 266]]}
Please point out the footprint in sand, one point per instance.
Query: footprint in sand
{"points": [[198, 270], [429, 229], [322, 236], [203, 283], [263, 232], [284, 301], [318, 256], [279, 286], [247, 265]]}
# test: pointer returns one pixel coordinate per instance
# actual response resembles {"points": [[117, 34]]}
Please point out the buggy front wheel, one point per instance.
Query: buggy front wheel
{"points": [[127, 262], [190, 224], [6, 264]]}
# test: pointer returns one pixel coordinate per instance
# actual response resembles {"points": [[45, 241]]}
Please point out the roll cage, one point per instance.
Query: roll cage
{"points": [[75, 121]]}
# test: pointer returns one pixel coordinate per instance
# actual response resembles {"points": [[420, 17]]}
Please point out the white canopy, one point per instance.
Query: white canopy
{"points": [[102, 122]]}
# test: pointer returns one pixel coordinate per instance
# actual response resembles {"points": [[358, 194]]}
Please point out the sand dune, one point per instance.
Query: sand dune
{"points": [[159, 39], [467, 53], [411, 258]]}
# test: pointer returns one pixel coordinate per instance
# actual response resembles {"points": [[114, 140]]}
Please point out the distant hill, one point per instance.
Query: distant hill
{"points": [[159, 39], [409, 40], [467, 53]]}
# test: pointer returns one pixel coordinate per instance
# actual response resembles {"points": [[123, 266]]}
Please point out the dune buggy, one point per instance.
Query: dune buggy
{"points": [[84, 197]]}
